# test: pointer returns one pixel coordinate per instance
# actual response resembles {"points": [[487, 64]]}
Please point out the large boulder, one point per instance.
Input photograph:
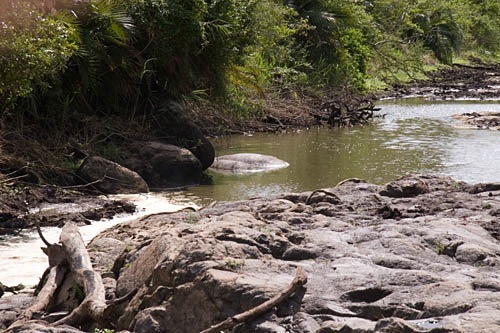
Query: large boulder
{"points": [[176, 127], [110, 177], [163, 165]]}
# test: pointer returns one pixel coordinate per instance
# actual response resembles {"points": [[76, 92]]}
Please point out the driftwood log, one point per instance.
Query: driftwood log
{"points": [[71, 255], [299, 280], [94, 303]]}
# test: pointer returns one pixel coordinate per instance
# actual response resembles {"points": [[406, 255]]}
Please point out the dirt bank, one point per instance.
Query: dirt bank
{"points": [[23, 206], [479, 81]]}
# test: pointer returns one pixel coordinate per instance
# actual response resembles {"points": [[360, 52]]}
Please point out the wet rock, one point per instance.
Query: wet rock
{"points": [[110, 177], [486, 187], [164, 166], [479, 120]]}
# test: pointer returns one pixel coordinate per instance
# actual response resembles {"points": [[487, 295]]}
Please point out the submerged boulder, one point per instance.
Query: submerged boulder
{"points": [[244, 163], [163, 165], [110, 177], [479, 120]]}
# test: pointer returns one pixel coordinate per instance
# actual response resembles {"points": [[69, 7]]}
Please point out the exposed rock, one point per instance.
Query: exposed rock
{"points": [[408, 186], [110, 177], [164, 165], [174, 125], [479, 120], [431, 269], [34, 327], [247, 163], [11, 306]]}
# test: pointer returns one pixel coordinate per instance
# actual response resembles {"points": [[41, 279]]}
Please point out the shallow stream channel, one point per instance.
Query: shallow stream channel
{"points": [[413, 136]]}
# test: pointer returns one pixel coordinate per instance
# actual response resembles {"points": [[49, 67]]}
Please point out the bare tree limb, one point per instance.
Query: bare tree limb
{"points": [[53, 281], [94, 304], [299, 280], [44, 240]]}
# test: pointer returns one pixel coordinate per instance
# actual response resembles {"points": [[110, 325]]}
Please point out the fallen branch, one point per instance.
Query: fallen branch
{"points": [[94, 304], [39, 230], [299, 280], [309, 197], [53, 281]]}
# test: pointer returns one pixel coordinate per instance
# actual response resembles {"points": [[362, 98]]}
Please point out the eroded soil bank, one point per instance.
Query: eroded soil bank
{"points": [[420, 254]]}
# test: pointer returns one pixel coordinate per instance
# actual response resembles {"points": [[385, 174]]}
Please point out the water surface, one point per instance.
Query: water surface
{"points": [[415, 136]]}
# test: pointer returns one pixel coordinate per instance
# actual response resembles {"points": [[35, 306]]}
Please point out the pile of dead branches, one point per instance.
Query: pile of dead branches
{"points": [[346, 111]]}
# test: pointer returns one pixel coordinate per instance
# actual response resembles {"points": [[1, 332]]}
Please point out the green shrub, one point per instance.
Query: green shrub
{"points": [[33, 48]]}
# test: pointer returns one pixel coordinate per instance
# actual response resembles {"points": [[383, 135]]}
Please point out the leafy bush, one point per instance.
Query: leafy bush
{"points": [[33, 48]]}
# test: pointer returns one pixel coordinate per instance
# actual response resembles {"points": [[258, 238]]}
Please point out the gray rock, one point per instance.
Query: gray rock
{"points": [[409, 186], [433, 268], [347, 325], [163, 165], [110, 177], [11, 306], [34, 327]]}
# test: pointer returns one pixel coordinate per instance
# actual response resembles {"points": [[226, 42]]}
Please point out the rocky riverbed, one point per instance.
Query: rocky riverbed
{"points": [[420, 254]]}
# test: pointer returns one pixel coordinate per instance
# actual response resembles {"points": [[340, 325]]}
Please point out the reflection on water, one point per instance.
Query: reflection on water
{"points": [[414, 137]]}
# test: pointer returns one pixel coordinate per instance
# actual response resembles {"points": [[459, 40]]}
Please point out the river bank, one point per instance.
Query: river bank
{"points": [[191, 218], [419, 254]]}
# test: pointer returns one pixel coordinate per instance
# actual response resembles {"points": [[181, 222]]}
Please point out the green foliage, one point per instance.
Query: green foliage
{"points": [[485, 25], [439, 32], [33, 48], [102, 73], [78, 292], [82, 60]]}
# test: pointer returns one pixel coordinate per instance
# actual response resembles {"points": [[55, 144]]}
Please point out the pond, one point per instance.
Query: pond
{"points": [[414, 136]]}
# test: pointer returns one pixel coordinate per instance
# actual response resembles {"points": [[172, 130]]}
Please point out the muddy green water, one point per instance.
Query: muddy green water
{"points": [[415, 136]]}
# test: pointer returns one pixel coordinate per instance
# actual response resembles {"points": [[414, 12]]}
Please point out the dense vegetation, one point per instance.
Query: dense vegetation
{"points": [[72, 63]]}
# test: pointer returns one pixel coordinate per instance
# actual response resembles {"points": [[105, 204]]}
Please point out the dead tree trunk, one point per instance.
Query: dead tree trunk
{"points": [[94, 303]]}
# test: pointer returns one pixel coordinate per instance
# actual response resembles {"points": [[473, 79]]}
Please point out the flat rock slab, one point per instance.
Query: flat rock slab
{"points": [[419, 254], [246, 163], [479, 120]]}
